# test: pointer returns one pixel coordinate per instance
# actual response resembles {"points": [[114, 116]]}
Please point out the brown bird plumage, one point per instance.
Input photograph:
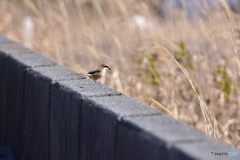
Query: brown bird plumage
{"points": [[98, 72]]}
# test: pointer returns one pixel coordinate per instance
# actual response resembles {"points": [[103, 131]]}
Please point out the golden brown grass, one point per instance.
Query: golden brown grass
{"points": [[197, 81]]}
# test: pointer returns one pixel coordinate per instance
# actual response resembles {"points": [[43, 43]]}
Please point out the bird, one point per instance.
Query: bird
{"points": [[98, 72]]}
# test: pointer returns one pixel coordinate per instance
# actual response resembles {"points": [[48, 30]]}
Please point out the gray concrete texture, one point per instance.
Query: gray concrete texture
{"points": [[50, 112]]}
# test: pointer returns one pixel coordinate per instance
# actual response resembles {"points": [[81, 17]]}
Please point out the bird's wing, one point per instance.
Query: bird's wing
{"points": [[96, 70]]}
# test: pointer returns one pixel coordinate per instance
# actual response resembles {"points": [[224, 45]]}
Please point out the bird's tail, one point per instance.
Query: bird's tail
{"points": [[88, 76]]}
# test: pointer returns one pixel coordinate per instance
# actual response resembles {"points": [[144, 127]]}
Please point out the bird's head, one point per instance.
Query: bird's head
{"points": [[104, 65]]}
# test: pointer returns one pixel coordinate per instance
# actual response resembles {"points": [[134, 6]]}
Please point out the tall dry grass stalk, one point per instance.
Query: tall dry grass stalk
{"points": [[231, 38], [198, 84], [209, 127]]}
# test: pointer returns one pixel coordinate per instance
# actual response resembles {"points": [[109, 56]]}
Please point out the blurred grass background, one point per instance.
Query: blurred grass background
{"points": [[199, 84]]}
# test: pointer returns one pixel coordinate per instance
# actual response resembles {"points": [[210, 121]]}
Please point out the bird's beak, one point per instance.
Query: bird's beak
{"points": [[109, 68]]}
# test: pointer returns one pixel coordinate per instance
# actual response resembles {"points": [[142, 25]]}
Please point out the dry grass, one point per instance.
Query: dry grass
{"points": [[199, 85]]}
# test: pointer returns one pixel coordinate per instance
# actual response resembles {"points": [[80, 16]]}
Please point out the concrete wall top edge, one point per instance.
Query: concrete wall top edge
{"points": [[31, 59], [3, 38], [22, 55], [121, 106], [10, 47], [54, 73], [165, 127], [88, 88]]}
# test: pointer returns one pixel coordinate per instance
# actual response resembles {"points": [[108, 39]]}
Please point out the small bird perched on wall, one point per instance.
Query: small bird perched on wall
{"points": [[98, 72]]}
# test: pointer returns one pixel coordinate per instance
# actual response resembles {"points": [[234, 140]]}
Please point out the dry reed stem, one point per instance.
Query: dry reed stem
{"points": [[232, 39], [161, 107], [209, 127], [226, 131]]}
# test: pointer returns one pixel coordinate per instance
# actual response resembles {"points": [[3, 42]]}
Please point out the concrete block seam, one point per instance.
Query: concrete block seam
{"points": [[36, 66], [23, 112], [139, 115], [49, 119], [68, 79], [3, 107], [106, 95], [80, 131], [119, 122], [116, 139]]}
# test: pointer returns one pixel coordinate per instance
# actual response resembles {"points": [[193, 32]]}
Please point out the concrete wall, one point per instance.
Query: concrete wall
{"points": [[49, 112]]}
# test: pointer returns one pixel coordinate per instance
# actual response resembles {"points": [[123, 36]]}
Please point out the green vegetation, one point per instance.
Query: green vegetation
{"points": [[221, 78]]}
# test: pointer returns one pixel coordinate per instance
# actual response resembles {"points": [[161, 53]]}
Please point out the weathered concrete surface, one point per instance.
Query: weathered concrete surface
{"points": [[100, 117], [14, 64], [162, 137], [38, 108]]}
